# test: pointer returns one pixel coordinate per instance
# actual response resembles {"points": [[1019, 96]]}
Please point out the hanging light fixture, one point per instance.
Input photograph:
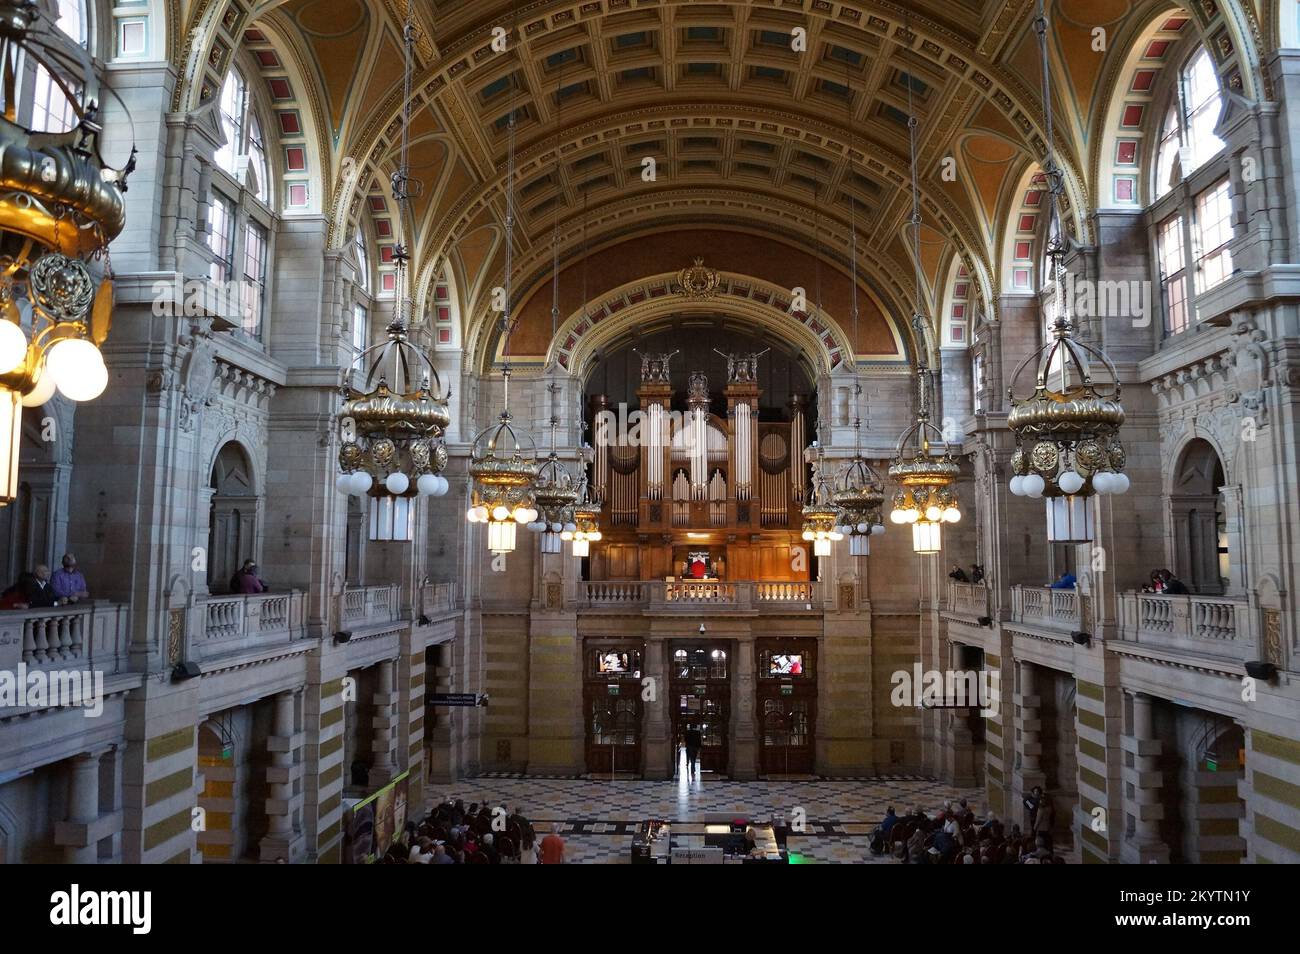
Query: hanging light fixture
{"points": [[859, 492], [503, 461], [554, 497], [586, 521], [925, 497], [820, 526], [859, 495], [392, 427], [1067, 429], [60, 206]]}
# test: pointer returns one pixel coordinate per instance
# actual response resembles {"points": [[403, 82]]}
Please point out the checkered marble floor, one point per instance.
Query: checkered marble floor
{"points": [[596, 817]]}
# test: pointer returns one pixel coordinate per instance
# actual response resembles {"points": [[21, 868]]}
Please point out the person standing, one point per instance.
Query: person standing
{"points": [[69, 583], [40, 593], [694, 742], [552, 852]]}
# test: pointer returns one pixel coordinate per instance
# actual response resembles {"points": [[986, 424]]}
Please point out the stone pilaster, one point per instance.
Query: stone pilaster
{"points": [[284, 837], [1143, 782]]}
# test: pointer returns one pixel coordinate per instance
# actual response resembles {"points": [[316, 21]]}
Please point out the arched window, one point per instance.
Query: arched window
{"points": [[234, 95], [71, 20], [1187, 132], [363, 261], [241, 226]]}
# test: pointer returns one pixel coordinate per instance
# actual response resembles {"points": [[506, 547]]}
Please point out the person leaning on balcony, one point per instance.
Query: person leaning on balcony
{"points": [[15, 596], [1065, 581], [69, 583], [958, 574], [40, 592], [1173, 585], [247, 580]]}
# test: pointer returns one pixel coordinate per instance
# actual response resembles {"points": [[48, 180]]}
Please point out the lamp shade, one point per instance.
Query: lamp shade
{"points": [[1069, 520], [501, 536], [391, 519], [13, 346], [11, 432], [926, 537]]}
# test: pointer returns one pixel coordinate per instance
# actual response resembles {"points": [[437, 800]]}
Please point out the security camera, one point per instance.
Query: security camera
{"points": [[701, 629]]}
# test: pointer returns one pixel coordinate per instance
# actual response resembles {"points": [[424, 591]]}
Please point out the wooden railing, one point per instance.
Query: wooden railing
{"points": [[968, 599], [691, 594], [1203, 625], [88, 635]]}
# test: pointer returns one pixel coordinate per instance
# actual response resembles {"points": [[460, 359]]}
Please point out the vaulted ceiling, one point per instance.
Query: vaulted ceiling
{"points": [[740, 129]]}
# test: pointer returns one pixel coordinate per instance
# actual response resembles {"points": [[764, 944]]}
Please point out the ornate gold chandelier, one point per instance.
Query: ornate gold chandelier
{"points": [[586, 518], [925, 497], [503, 461], [60, 206], [554, 497], [392, 427], [859, 495], [1067, 429], [820, 513]]}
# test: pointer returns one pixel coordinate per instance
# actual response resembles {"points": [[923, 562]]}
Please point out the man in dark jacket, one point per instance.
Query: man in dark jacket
{"points": [[40, 591]]}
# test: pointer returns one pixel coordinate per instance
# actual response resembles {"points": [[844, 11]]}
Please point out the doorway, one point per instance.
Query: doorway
{"points": [[700, 690], [787, 705], [612, 706]]}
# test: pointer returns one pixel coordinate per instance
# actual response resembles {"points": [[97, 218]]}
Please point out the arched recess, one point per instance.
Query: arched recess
{"points": [[1128, 134], [233, 516], [221, 797], [1023, 232], [1215, 765], [1198, 519], [957, 306], [820, 340]]}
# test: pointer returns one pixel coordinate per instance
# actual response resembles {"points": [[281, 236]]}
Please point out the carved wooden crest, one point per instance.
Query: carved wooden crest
{"points": [[698, 281]]}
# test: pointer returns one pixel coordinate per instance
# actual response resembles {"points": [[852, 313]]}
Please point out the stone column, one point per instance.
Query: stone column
{"points": [[1143, 778], [744, 745], [658, 745], [961, 744], [284, 838], [80, 845], [1028, 773], [384, 699]]}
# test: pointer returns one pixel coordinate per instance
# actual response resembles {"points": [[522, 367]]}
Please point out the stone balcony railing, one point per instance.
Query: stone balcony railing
{"points": [[436, 598], [968, 599], [370, 605], [250, 621], [691, 595], [1052, 609], [1215, 626], [88, 635]]}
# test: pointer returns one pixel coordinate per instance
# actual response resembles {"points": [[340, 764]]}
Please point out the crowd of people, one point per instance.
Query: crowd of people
{"points": [[454, 834], [953, 835]]}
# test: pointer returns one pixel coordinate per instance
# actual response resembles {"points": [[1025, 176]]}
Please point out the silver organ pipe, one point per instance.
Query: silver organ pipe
{"points": [[606, 431], [718, 500], [744, 438], [654, 432], [798, 438]]}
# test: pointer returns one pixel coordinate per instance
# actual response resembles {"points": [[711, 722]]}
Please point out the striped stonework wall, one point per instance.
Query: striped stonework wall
{"points": [[1273, 802], [505, 679], [999, 744], [167, 798], [324, 773], [410, 681], [1096, 821], [844, 710], [556, 741], [898, 730]]}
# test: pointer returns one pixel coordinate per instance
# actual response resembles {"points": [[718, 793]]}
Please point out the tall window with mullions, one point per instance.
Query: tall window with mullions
{"points": [[254, 278]]}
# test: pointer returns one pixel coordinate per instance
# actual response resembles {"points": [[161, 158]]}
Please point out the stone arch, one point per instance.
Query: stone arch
{"points": [[233, 514], [1197, 516]]}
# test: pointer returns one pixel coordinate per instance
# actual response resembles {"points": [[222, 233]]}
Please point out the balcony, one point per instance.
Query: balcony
{"points": [[1217, 627], [370, 605], [969, 600], [1046, 607], [89, 635], [688, 596], [253, 621]]}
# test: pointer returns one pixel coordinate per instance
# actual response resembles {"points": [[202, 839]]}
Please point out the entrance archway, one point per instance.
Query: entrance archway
{"points": [[232, 521], [1198, 520]]}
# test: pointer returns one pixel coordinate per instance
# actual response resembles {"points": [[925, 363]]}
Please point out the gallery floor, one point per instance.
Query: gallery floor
{"points": [[596, 816]]}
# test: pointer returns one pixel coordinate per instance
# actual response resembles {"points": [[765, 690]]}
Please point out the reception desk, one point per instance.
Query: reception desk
{"points": [[656, 842]]}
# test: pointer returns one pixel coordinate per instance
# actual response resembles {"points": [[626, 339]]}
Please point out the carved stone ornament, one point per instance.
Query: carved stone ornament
{"points": [[698, 281]]}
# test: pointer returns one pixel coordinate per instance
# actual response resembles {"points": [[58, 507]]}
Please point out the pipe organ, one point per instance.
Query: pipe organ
{"points": [[696, 475]]}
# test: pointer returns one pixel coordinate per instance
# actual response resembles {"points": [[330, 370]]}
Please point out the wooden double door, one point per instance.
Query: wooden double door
{"points": [[700, 697], [612, 707], [786, 706]]}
